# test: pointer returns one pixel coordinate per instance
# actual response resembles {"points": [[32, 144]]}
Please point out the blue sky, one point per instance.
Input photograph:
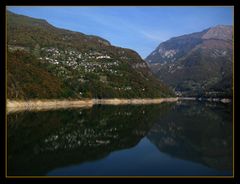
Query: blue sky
{"points": [[137, 27]]}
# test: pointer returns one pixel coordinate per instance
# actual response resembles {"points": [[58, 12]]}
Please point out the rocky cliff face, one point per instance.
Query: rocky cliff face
{"points": [[196, 64]]}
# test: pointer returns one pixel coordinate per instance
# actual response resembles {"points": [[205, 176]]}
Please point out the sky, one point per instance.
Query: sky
{"points": [[136, 27]]}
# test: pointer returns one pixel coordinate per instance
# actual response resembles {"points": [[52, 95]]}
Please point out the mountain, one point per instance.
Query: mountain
{"points": [[197, 64], [47, 62]]}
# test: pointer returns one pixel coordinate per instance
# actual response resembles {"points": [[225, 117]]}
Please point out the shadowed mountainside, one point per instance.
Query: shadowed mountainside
{"points": [[197, 64]]}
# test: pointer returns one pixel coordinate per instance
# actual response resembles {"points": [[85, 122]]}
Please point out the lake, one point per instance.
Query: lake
{"points": [[184, 138]]}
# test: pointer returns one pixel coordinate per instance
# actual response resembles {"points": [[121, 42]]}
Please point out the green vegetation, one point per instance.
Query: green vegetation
{"points": [[28, 78], [47, 62]]}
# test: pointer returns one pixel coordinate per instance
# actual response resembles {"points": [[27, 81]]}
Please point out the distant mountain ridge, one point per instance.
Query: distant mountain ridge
{"points": [[49, 62], [197, 64]]}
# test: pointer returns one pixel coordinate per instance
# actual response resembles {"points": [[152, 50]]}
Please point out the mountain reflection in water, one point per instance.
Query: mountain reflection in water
{"points": [[39, 142], [200, 133]]}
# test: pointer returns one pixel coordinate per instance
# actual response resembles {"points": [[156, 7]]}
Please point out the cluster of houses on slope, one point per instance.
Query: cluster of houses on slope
{"points": [[87, 62]]}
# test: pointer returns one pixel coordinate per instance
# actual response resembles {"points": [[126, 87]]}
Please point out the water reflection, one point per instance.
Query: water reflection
{"points": [[200, 132], [39, 142]]}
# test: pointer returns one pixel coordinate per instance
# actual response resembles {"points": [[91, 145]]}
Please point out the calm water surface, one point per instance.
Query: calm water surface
{"points": [[171, 139]]}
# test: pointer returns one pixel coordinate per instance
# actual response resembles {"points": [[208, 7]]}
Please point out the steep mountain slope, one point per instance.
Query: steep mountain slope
{"points": [[74, 64], [198, 64]]}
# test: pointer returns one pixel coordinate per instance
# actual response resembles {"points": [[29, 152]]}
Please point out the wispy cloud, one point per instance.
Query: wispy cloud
{"points": [[122, 25], [156, 36]]}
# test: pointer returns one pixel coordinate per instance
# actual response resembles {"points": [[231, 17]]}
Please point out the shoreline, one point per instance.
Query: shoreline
{"points": [[43, 105], [223, 100]]}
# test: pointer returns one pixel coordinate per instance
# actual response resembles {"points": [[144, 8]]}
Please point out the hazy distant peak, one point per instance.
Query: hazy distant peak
{"points": [[221, 32]]}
